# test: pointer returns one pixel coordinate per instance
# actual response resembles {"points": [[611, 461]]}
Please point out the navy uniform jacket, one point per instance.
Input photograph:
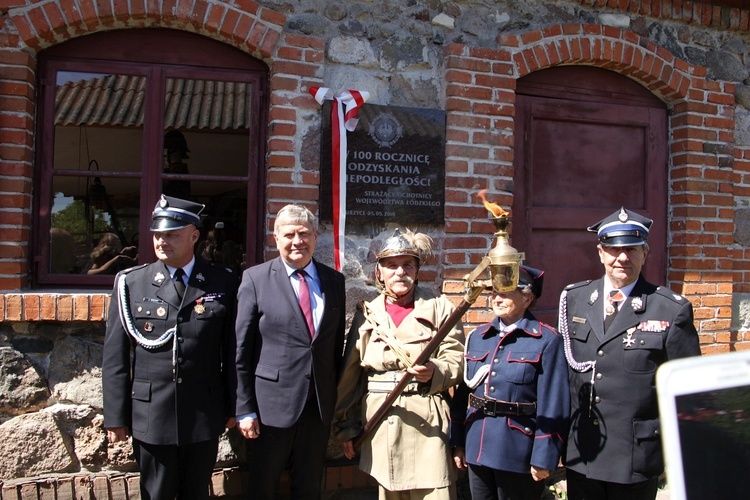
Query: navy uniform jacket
{"points": [[618, 440], [165, 402], [276, 359], [526, 365]]}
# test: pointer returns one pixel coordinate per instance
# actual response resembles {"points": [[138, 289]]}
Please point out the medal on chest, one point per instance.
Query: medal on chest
{"points": [[199, 307]]}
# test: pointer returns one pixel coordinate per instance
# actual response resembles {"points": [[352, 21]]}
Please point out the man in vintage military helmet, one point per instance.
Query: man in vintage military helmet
{"points": [[175, 319], [408, 453], [617, 331]]}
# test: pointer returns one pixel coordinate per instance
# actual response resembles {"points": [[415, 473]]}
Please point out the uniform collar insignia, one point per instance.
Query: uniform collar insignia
{"points": [[637, 303], [594, 296], [200, 277], [159, 278]]}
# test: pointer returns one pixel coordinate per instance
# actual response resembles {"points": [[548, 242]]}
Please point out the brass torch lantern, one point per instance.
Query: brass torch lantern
{"points": [[503, 260]]}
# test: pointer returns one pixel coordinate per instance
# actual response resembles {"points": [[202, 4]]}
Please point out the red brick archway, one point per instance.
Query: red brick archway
{"points": [[480, 100]]}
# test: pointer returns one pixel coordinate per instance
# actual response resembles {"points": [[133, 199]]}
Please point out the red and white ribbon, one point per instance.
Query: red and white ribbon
{"points": [[344, 111]]}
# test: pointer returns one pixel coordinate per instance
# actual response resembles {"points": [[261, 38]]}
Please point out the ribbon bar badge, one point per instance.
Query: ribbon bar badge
{"points": [[653, 325]]}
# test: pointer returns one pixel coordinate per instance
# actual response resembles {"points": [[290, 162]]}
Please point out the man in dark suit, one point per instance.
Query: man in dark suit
{"points": [[617, 330], [168, 365], [290, 337]]}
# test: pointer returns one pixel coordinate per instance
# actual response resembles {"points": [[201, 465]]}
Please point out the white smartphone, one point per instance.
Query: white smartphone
{"points": [[704, 406]]}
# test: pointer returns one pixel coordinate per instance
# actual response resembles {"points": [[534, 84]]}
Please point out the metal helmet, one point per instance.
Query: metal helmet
{"points": [[418, 245]]}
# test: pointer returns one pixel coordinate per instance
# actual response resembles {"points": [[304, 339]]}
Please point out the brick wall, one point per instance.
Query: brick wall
{"points": [[702, 155], [480, 98], [717, 13], [706, 171], [228, 483]]}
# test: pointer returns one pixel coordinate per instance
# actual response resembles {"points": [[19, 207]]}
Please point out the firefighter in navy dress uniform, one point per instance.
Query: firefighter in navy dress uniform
{"points": [[516, 390], [618, 330], [169, 358]]}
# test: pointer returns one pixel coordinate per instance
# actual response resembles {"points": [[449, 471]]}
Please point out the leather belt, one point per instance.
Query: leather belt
{"points": [[387, 381], [493, 407]]}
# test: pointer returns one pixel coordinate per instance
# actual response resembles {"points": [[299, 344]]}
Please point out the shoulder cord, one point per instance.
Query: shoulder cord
{"points": [[581, 367], [384, 333], [126, 318], [481, 372]]}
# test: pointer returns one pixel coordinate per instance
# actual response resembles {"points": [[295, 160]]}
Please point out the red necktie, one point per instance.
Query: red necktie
{"points": [[304, 301], [615, 297]]}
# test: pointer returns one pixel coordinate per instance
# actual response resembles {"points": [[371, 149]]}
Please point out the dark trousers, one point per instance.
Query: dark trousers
{"points": [[486, 483], [171, 471], [582, 488], [301, 448]]}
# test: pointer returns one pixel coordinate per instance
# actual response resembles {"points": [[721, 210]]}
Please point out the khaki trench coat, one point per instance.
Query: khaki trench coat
{"points": [[409, 448]]}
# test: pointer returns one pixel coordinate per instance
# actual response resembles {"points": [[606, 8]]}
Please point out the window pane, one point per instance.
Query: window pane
{"points": [[224, 229], [207, 122], [94, 225], [98, 122]]}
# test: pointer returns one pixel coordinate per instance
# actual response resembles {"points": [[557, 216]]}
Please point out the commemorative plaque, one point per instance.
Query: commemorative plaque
{"points": [[395, 166]]}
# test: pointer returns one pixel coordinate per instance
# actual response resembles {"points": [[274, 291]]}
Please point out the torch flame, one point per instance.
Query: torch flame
{"points": [[494, 208]]}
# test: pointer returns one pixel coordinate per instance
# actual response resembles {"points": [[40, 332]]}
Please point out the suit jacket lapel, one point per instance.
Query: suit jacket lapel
{"points": [[283, 284], [326, 285], [166, 290], [197, 283]]}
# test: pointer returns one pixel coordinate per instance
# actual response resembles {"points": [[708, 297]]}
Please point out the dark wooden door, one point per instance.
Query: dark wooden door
{"points": [[587, 142]]}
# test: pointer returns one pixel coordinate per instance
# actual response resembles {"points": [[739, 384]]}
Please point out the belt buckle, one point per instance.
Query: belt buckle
{"points": [[486, 409]]}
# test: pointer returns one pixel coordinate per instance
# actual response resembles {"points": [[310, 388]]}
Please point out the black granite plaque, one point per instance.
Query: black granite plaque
{"points": [[395, 168]]}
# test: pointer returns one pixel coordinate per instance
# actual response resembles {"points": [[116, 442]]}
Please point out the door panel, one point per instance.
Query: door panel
{"points": [[580, 155]]}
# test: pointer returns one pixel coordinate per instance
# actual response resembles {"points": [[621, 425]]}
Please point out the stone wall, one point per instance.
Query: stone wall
{"points": [[461, 56], [51, 400]]}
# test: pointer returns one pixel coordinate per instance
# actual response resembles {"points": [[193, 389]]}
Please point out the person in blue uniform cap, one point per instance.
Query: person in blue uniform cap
{"points": [[174, 213], [622, 228], [618, 329], [510, 415], [168, 361]]}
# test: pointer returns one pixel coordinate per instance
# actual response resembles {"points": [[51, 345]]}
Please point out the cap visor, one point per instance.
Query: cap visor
{"points": [[168, 224], [622, 241]]}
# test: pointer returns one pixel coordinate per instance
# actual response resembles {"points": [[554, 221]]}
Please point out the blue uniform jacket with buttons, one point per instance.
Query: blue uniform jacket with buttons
{"points": [[614, 433], [526, 365], [166, 397]]}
